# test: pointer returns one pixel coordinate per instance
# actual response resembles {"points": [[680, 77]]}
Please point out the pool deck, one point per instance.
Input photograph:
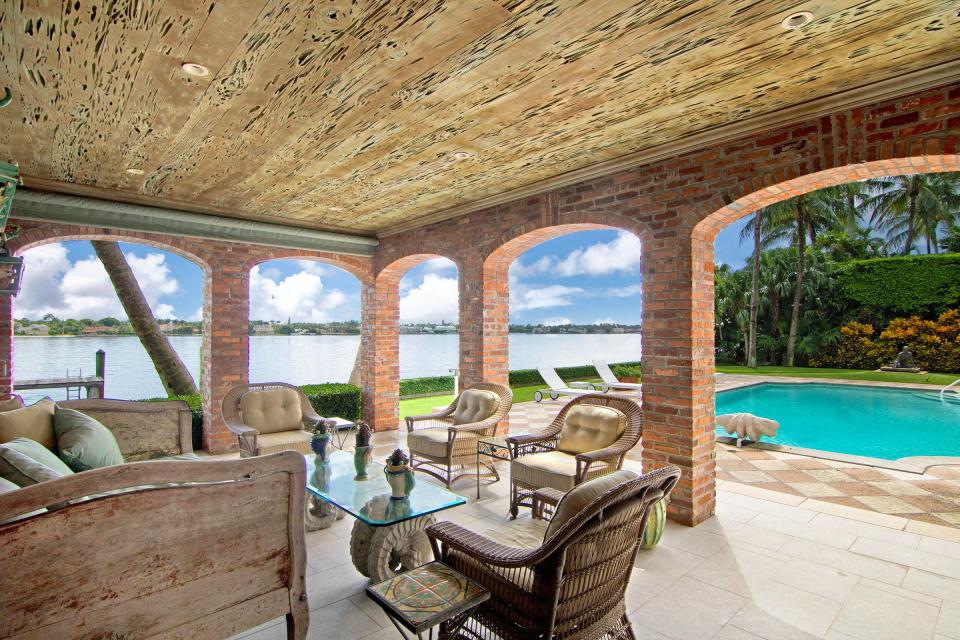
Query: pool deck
{"points": [[915, 489]]}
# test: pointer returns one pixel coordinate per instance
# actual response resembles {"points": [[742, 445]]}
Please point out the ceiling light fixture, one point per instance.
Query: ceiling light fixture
{"points": [[462, 155], [194, 69], [797, 20], [134, 172]]}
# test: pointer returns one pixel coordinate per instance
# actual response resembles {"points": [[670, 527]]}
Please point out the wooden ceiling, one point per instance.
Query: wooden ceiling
{"points": [[346, 114]]}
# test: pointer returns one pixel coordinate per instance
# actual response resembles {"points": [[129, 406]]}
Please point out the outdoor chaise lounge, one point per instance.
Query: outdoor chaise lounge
{"points": [[556, 387], [572, 586], [610, 379]]}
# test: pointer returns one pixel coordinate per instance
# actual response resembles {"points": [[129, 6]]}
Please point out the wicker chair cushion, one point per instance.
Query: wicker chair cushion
{"points": [[298, 440], [11, 403], [34, 422], [590, 428], [583, 496], [553, 469], [475, 405], [272, 410]]}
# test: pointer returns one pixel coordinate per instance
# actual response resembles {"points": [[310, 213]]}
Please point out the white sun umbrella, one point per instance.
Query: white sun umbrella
{"points": [[747, 426]]}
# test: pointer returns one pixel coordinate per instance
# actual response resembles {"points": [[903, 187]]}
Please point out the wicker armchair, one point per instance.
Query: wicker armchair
{"points": [[572, 586], [444, 444], [589, 438], [277, 421]]}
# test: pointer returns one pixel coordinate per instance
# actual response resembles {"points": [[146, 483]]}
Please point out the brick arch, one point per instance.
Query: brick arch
{"points": [[357, 266]]}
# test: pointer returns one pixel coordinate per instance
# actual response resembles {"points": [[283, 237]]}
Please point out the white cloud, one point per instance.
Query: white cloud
{"points": [[605, 321], [300, 297], [52, 284], [556, 322], [625, 292], [622, 254], [555, 295], [438, 265], [435, 299]]}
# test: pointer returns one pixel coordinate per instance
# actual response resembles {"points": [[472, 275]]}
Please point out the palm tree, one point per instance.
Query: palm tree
{"points": [[757, 228], [911, 206], [173, 374]]}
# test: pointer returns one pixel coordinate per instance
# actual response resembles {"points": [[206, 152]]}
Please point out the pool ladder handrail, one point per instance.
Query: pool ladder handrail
{"points": [[955, 385]]}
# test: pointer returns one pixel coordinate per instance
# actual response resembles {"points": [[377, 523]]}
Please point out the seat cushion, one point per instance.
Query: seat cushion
{"points": [[34, 422], [583, 496], [25, 462], [475, 405], [298, 440], [82, 442], [554, 469], [272, 410], [589, 427], [11, 403], [429, 442]]}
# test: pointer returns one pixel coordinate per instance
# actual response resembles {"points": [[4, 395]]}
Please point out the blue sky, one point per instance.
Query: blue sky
{"points": [[582, 278]]}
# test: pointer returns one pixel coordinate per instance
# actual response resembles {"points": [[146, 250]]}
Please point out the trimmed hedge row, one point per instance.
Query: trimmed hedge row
{"points": [[924, 285], [423, 386]]}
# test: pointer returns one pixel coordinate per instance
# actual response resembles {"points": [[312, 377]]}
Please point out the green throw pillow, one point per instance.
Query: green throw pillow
{"points": [[25, 462], [83, 442]]}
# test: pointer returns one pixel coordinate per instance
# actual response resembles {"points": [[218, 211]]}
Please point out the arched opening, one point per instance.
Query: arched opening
{"points": [[68, 309], [846, 276], [304, 322]]}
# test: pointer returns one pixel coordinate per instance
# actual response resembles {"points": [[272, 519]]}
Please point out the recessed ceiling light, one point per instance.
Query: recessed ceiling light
{"points": [[134, 172], [462, 155], [196, 70], [797, 20]]}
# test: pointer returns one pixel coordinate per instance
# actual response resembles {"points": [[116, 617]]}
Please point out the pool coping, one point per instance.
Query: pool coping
{"points": [[909, 464]]}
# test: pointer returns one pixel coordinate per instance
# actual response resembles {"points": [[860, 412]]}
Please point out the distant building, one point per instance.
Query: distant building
{"points": [[99, 330], [35, 330]]}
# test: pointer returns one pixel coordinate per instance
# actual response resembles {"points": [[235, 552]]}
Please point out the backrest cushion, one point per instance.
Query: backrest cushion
{"points": [[6, 486], [582, 496], [475, 405], [272, 410], [10, 403], [588, 427], [25, 462], [34, 422], [83, 442]]}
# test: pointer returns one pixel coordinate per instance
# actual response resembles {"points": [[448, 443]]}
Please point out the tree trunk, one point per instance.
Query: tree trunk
{"points": [[173, 374], [912, 213], [798, 292], [357, 365], [755, 293]]}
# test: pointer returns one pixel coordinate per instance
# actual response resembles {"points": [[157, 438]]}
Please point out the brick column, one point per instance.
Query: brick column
{"points": [[380, 337], [678, 384], [226, 345], [6, 344]]}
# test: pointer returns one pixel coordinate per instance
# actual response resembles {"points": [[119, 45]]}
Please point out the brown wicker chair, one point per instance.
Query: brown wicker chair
{"points": [[572, 586], [444, 446], [256, 442], [541, 460]]}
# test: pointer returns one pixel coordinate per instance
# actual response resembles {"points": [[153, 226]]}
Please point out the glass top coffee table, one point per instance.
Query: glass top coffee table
{"points": [[388, 535]]}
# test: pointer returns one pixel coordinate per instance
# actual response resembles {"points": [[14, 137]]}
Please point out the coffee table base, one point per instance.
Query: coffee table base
{"points": [[381, 553], [320, 514]]}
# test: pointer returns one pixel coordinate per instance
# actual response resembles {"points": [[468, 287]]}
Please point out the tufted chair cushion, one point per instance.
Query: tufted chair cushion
{"points": [[272, 410], [590, 428], [583, 496], [475, 405]]}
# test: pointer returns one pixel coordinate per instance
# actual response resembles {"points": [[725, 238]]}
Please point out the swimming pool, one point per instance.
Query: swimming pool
{"points": [[858, 420]]}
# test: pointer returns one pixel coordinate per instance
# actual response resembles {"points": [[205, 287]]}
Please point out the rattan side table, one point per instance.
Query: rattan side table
{"points": [[433, 596]]}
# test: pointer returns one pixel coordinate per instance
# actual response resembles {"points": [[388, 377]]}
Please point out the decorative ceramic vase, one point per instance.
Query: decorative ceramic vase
{"points": [[653, 530], [320, 443], [398, 509], [400, 478], [321, 473], [361, 458]]}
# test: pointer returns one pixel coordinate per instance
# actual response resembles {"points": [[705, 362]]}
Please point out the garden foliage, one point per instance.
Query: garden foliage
{"points": [[923, 285], [935, 344]]}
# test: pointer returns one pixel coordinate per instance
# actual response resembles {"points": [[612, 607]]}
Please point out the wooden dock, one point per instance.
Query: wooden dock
{"points": [[92, 385]]}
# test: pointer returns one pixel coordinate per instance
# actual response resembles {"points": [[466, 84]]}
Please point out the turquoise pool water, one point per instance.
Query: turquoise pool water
{"points": [[863, 421]]}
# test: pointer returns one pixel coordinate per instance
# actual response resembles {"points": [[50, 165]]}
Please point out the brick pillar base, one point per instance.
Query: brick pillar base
{"points": [[6, 344], [381, 359], [226, 355], [677, 370]]}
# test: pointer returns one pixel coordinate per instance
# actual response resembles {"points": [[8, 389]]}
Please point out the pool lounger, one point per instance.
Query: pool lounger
{"points": [[610, 379], [557, 387]]}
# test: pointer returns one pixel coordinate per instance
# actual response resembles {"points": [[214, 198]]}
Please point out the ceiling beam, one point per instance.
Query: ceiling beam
{"points": [[64, 209], [904, 84]]}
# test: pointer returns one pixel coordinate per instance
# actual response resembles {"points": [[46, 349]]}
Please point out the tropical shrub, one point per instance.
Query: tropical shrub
{"points": [[935, 344]]}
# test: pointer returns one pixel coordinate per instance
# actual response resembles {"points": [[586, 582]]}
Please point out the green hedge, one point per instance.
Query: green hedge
{"points": [[923, 285], [530, 377], [422, 386], [334, 399]]}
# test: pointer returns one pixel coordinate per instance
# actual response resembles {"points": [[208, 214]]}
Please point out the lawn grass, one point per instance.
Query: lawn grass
{"points": [[422, 406], [940, 379]]}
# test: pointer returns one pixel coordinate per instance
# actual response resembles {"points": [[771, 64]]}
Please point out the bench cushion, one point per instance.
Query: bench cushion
{"points": [[34, 422], [83, 442], [590, 428], [25, 462], [272, 410], [475, 405]]}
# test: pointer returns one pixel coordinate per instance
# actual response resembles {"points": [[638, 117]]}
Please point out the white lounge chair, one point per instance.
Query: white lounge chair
{"points": [[610, 380], [556, 386]]}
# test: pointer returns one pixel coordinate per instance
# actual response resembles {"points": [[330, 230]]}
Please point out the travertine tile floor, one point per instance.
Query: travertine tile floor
{"points": [[768, 565]]}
